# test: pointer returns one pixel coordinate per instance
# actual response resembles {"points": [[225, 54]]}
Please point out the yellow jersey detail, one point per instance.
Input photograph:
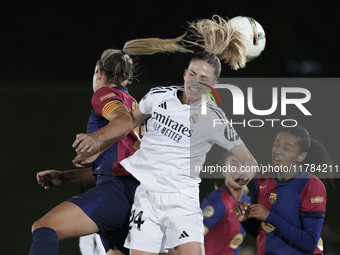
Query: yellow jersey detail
{"points": [[208, 211], [267, 227], [237, 240], [110, 107]]}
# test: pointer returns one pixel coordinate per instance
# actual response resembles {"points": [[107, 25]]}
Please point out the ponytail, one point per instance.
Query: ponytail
{"points": [[217, 36], [118, 65], [151, 46]]}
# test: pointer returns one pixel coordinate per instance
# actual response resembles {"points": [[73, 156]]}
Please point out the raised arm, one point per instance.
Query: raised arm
{"points": [[89, 146], [249, 164]]}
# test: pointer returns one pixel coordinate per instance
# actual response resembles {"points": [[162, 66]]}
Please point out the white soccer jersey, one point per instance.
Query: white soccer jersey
{"points": [[177, 140]]}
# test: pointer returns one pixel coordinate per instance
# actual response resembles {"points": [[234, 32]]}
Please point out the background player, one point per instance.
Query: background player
{"points": [[96, 210], [288, 208], [223, 233], [166, 210]]}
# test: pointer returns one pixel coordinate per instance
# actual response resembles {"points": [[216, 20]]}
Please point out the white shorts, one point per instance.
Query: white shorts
{"points": [[163, 220]]}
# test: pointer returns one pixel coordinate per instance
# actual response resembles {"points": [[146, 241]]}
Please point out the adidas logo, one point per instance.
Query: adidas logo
{"points": [[183, 235], [162, 105]]}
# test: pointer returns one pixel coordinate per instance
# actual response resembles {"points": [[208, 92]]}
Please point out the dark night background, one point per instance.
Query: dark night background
{"points": [[47, 55]]}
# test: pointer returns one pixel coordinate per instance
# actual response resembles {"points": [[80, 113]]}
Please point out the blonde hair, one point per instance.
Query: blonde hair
{"points": [[118, 65], [218, 37], [151, 46]]}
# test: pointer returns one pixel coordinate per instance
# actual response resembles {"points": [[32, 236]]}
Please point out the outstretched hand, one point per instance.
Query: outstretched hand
{"points": [[50, 178], [86, 142], [84, 158]]}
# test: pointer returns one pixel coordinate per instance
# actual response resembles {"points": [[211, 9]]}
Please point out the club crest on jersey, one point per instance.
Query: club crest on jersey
{"points": [[272, 198], [193, 118]]}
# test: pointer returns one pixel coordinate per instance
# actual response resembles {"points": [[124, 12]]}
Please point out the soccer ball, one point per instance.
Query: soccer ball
{"points": [[254, 33]]}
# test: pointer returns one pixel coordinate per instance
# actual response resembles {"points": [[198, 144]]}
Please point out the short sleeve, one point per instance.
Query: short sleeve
{"points": [[105, 100], [145, 105], [213, 209], [313, 199]]}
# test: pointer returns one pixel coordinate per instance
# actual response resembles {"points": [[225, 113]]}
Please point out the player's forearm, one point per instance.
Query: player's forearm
{"points": [[78, 175], [114, 131], [305, 239]]}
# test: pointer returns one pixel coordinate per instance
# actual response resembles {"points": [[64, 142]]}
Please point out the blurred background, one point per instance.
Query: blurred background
{"points": [[47, 55]]}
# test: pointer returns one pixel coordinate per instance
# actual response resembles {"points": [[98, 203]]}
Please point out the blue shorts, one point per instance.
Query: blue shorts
{"points": [[109, 204]]}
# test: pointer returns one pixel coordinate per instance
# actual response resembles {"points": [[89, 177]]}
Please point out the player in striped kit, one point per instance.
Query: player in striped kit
{"points": [[223, 233], [166, 212], [288, 208]]}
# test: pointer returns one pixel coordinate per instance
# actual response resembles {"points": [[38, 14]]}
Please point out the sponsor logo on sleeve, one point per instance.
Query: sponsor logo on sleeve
{"points": [[317, 200], [230, 133]]}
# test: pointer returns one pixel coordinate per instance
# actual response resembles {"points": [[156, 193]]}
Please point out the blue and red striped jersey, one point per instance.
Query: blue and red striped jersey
{"points": [[104, 100], [297, 208], [225, 234]]}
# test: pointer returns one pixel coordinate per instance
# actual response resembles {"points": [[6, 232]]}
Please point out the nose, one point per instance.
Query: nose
{"points": [[277, 150]]}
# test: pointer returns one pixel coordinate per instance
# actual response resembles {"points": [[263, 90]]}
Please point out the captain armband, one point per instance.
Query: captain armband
{"points": [[110, 107]]}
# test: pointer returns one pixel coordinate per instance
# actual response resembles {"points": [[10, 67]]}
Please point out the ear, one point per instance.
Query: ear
{"points": [[185, 73], [301, 157], [99, 74]]}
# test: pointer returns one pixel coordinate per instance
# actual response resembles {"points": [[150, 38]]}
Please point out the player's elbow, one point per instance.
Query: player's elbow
{"points": [[310, 245]]}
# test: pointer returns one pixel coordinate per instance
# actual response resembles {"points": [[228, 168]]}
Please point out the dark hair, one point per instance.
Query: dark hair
{"points": [[118, 67], [316, 152], [211, 59]]}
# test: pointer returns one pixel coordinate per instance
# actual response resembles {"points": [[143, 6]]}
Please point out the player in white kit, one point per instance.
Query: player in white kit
{"points": [[166, 213]]}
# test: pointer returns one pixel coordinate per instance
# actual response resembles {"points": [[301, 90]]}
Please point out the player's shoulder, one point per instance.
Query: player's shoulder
{"points": [[214, 111], [314, 182], [161, 90], [215, 195], [162, 93], [216, 192], [108, 92], [214, 200]]}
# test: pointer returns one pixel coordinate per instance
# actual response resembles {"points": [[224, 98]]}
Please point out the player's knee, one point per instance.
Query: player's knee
{"points": [[36, 225], [40, 224]]}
